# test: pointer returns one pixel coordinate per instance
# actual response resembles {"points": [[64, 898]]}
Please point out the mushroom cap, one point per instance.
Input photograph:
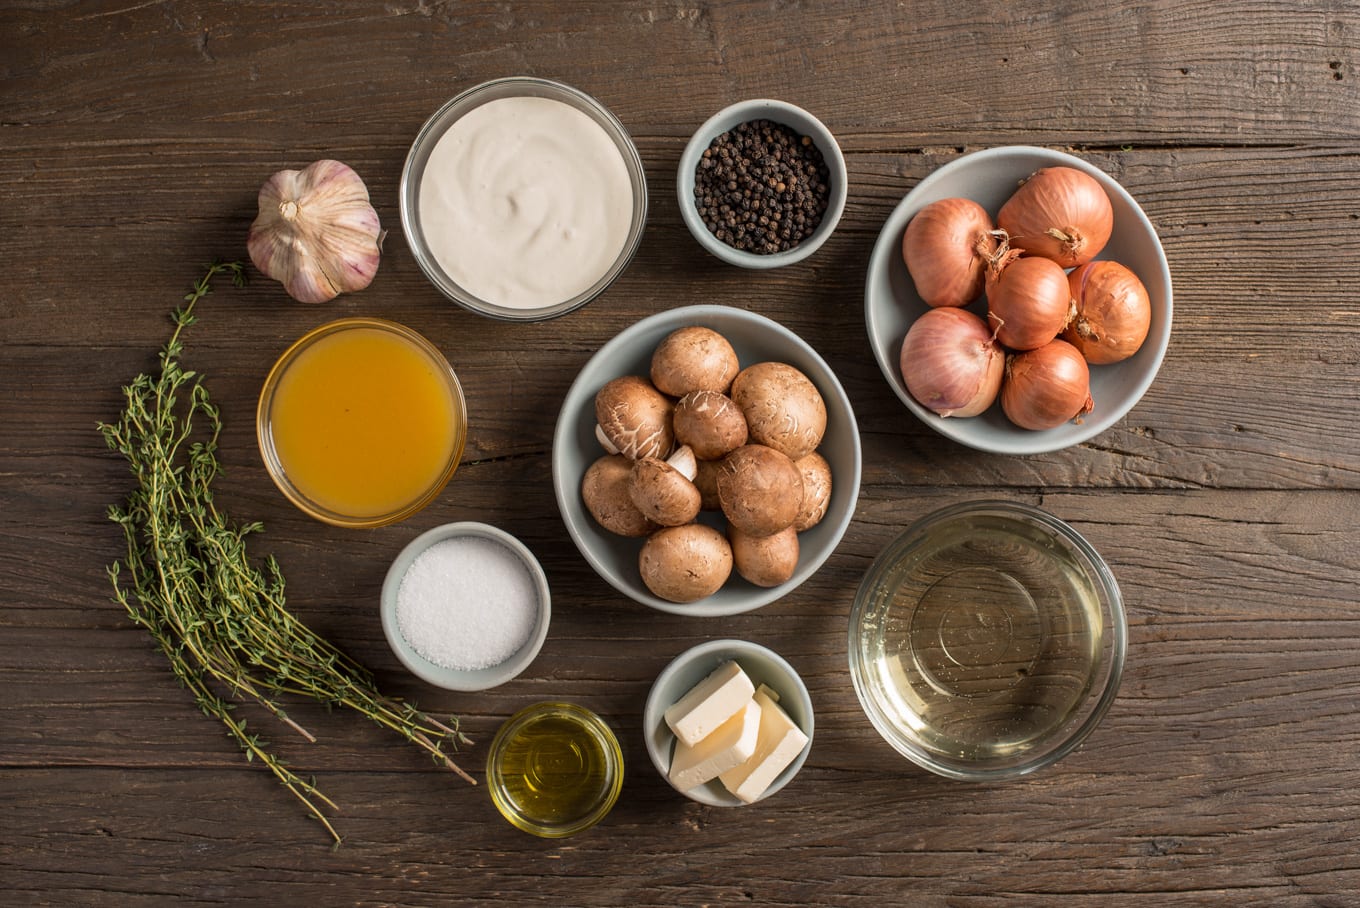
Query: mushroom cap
{"points": [[685, 563], [635, 417], [662, 493], [765, 560], [605, 492], [694, 358], [710, 422], [816, 473], [760, 490], [783, 408]]}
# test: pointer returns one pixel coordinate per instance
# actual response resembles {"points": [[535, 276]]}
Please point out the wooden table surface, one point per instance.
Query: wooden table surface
{"points": [[133, 139]]}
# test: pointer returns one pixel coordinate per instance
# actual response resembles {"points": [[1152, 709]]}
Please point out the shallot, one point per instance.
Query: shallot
{"points": [[951, 362], [1028, 301], [1044, 388], [946, 247], [1059, 213], [1113, 312]]}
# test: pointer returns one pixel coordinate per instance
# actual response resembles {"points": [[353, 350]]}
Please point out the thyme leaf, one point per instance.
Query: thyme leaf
{"points": [[187, 578]]}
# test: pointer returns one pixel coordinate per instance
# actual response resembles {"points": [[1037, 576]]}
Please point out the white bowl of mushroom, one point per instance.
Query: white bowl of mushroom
{"points": [[706, 461]]}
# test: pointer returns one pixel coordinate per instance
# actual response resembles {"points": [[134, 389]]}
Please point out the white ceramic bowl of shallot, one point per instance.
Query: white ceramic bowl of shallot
{"points": [[893, 305]]}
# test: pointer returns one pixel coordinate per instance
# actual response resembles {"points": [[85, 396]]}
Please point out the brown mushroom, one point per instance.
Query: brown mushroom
{"points": [[605, 492], [693, 358], [782, 406], [710, 423], [816, 473], [633, 418], [685, 563], [706, 480], [662, 489], [760, 490], [765, 560]]}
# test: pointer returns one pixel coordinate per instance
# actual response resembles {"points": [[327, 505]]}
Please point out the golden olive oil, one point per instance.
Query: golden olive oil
{"points": [[554, 769]]}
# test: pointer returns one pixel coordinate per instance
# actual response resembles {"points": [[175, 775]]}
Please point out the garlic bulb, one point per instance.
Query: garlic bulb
{"points": [[316, 232]]}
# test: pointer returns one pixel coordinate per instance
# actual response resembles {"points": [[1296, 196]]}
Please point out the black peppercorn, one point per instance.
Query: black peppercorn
{"points": [[769, 186]]}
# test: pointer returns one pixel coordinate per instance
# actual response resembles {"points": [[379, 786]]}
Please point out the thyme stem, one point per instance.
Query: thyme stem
{"points": [[187, 578]]}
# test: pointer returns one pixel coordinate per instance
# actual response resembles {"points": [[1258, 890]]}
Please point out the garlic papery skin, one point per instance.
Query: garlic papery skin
{"points": [[316, 232]]}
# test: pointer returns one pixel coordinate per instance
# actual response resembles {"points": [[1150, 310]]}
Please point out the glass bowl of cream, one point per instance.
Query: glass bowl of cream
{"points": [[522, 199]]}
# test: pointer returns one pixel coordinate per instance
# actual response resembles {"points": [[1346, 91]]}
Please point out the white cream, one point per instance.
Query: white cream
{"points": [[525, 202]]}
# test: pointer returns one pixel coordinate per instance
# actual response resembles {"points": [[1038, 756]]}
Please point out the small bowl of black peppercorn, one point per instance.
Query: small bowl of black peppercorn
{"points": [[762, 184]]}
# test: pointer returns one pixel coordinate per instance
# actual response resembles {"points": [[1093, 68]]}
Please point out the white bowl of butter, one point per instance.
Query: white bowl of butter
{"points": [[728, 723], [523, 199]]}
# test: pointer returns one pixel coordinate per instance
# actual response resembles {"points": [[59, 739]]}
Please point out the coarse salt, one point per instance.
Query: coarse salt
{"points": [[467, 603]]}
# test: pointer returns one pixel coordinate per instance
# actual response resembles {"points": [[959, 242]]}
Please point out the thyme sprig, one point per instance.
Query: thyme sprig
{"points": [[187, 578]]}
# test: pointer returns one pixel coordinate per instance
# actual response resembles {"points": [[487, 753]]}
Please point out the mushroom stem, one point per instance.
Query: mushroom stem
{"points": [[604, 441], [683, 462]]}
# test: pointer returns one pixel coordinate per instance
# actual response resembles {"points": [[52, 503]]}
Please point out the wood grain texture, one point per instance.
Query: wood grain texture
{"points": [[133, 138]]}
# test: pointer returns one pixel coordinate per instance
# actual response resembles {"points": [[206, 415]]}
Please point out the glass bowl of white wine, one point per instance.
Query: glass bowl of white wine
{"points": [[987, 641]]}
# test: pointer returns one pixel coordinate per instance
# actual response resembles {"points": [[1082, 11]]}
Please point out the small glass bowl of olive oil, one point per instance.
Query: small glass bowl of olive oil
{"points": [[987, 640], [554, 769]]}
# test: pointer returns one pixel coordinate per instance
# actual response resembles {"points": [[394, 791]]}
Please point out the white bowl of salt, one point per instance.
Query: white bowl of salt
{"points": [[465, 606]]}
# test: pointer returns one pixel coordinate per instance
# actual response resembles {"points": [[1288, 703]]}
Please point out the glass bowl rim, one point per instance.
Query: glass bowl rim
{"points": [[450, 112], [1107, 672], [264, 435], [591, 722]]}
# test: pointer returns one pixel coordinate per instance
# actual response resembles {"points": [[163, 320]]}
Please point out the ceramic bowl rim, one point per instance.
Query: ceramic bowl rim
{"points": [[657, 736], [789, 115], [887, 251], [450, 678], [578, 397]]}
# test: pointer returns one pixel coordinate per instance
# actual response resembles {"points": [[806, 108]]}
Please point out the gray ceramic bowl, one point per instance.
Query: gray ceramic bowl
{"points": [[413, 172], [755, 339], [988, 178], [452, 679], [801, 122], [762, 666]]}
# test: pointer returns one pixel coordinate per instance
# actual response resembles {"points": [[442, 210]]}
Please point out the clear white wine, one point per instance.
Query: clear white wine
{"points": [[981, 642]]}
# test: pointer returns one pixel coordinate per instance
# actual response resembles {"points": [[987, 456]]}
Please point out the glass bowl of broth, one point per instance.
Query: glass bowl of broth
{"points": [[987, 641], [361, 422]]}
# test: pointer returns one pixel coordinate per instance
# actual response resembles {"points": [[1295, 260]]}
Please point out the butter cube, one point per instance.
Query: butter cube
{"points": [[778, 742], [729, 746], [710, 703]]}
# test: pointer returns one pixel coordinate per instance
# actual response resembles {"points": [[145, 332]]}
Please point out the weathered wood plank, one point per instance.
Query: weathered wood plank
{"points": [[133, 138], [1218, 634], [926, 74]]}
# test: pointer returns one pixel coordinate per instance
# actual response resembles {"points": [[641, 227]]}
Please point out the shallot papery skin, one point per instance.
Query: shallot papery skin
{"points": [[951, 363], [316, 232], [946, 248], [1113, 312], [1045, 388], [1060, 213], [1027, 301]]}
